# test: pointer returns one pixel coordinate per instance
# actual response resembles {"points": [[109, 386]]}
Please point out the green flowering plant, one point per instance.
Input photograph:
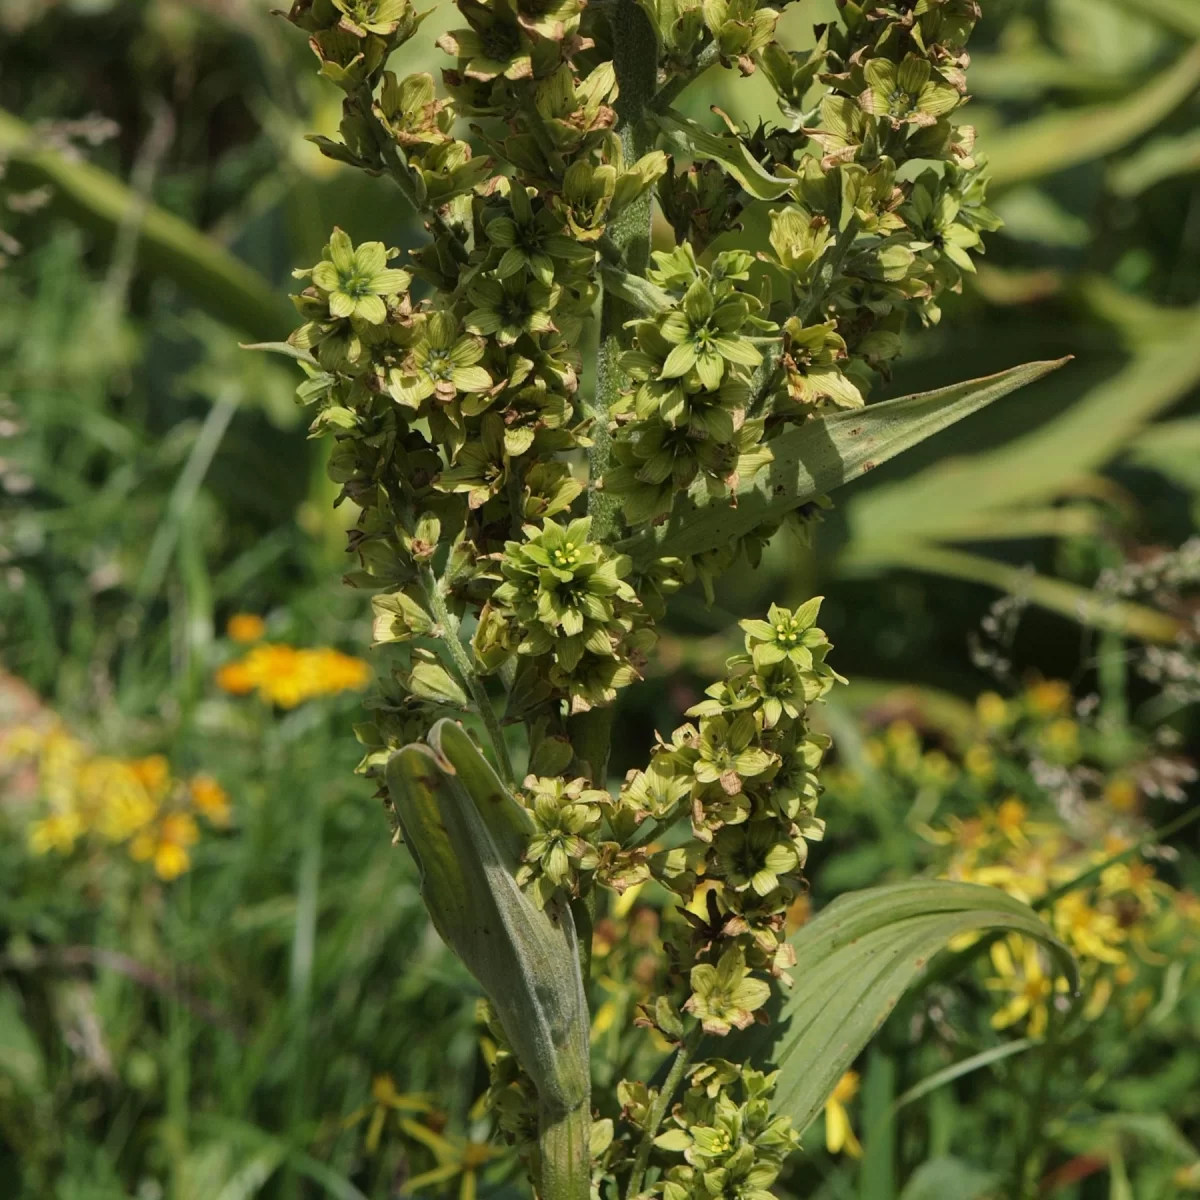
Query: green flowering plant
{"points": [[526, 509]]}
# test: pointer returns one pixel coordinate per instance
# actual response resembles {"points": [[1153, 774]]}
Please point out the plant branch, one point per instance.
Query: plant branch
{"points": [[658, 1110], [635, 59], [436, 600], [397, 171], [673, 88]]}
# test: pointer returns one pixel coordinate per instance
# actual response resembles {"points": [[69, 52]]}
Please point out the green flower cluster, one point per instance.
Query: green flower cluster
{"points": [[692, 366], [746, 776], [876, 225], [730, 1148], [454, 383], [564, 604]]}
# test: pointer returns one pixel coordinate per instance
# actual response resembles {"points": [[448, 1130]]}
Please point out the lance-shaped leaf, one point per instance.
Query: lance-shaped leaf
{"points": [[467, 834], [818, 456], [213, 278], [1060, 140], [855, 960], [688, 138]]}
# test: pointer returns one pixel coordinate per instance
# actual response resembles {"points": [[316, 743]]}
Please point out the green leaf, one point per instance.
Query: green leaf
{"points": [[942, 1177], [467, 834], [212, 277], [858, 958], [1049, 144], [819, 456], [1181, 15], [945, 501], [284, 348], [21, 1060], [1160, 159], [966, 1066], [633, 289], [1058, 595], [730, 152]]}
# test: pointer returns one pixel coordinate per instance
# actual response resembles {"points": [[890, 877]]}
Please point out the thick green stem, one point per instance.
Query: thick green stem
{"points": [[635, 58], [466, 669], [564, 1157], [658, 1110]]}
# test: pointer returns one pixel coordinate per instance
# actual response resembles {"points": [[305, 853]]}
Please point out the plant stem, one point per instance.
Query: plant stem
{"points": [[658, 1110], [564, 1156], [466, 669], [635, 58], [665, 96]]}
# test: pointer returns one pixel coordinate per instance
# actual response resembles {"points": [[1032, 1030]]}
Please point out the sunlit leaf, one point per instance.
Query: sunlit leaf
{"points": [[467, 834], [821, 455], [214, 279], [856, 960], [1060, 140], [730, 152]]}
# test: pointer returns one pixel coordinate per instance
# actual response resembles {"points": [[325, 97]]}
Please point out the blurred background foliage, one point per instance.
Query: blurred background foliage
{"points": [[155, 480]]}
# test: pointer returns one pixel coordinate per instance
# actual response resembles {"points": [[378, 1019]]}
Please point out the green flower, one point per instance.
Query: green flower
{"points": [[754, 855], [352, 281], [440, 363], [655, 462], [532, 242], [909, 92], [494, 45], [480, 466], [706, 412], [786, 634], [565, 591], [740, 28], [565, 814], [946, 221], [507, 308], [810, 359], [726, 996], [727, 753], [705, 335], [411, 112], [381, 17]]}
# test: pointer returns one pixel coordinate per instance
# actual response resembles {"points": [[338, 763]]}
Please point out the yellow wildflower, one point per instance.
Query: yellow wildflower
{"points": [[210, 799], [1010, 820], [905, 746], [839, 1133], [245, 627], [386, 1099], [115, 793], [1048, 697], [457, 1157], [1020, 971], [58, 832], [153, 773], [1095, 934], [167, 845], [979, 761], [287, 676], [237, 678], [1121, 793], [991, 710], [1098, 998], [1060, 740]]}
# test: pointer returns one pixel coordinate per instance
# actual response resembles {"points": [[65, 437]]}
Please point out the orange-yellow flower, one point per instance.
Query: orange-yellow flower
{"points": [[210, 799], [286, 676], [245, 627], [839, 1133], [167, 846], [58, 832]]}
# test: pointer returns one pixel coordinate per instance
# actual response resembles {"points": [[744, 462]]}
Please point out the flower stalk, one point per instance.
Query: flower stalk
{"points": [[461, 413]]}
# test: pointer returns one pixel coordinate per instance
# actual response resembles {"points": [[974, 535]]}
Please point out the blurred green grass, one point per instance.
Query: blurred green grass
{"points": [[154, 480]]}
